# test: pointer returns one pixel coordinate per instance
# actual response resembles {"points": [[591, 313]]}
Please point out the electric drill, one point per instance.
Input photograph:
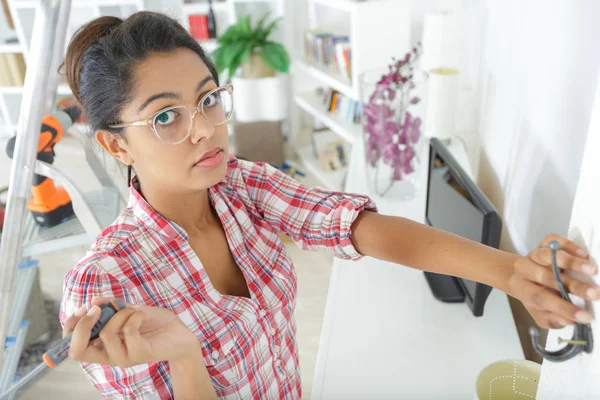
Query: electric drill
{"points": [[50, 204]]}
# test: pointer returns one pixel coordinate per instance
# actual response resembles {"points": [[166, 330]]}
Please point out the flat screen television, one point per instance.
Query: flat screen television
{"points": [[455, 204]]}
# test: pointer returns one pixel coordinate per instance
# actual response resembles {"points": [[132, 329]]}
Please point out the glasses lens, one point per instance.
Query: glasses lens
{"points": [[172, 125], [218, 106]]}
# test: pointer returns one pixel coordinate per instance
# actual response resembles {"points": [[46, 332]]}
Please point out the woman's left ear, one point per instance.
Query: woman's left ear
{"points": [[115, 145]]}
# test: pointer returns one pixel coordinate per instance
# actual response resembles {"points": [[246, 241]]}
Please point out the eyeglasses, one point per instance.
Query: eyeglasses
{"points": [[173, 125]]}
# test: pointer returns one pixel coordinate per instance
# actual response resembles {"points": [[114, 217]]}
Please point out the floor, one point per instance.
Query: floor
{"points": [[67, 380]]}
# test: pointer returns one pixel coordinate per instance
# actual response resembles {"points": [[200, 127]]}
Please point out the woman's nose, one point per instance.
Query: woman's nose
{"points": [[201, 128]]}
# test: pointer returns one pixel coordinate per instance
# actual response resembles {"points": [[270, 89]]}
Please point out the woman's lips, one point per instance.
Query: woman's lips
{"points": [[211, 160]]}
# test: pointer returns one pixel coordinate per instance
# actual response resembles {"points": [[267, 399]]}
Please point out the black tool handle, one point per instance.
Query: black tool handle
{"points": [[59, 352]]}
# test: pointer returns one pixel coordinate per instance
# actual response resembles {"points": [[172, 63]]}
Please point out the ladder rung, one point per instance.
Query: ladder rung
{"points": [[12, 355], [37, 240], [26, 275]]}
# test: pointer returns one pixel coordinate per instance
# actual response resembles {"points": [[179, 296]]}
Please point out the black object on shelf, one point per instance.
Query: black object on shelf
{"points": [[212, 22], [455, 204]]}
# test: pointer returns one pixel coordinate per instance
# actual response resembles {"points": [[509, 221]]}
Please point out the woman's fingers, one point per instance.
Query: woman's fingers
{"points": [[546, 320], [566, 245], [73, 320], [544, 299], [98, 301], [564, 260], [133, 340], [81, 336], [545, 276], [111, 338]]}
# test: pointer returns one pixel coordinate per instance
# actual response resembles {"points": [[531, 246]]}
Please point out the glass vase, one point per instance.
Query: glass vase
{"points": [[392, 113]]}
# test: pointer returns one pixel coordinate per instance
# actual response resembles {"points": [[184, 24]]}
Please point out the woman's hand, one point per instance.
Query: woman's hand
{"points": [[135, 335], [533, 283]]}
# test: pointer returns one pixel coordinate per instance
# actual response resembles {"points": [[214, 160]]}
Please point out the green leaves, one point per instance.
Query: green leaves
{"points": [[275, 56], [264, 34], [240, 40], [244, 27]]}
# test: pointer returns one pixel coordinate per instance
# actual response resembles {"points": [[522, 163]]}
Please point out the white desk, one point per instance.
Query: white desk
{"points": [[402, 343]]}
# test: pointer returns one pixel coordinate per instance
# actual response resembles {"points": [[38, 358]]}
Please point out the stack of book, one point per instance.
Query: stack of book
{"points": [[12, 69], [329, 149], [330, 52], [199, 27], [346, 107]]}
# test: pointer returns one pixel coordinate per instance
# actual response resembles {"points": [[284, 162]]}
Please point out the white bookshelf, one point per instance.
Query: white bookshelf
{"points": [[327, 78], [10, 48], [227, 11], [23, 15], [82, 11], [331, 180], [378, 30], [312, 103]]}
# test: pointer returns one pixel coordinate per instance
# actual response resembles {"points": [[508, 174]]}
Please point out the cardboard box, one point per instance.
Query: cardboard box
{"points": [[259, 141]]}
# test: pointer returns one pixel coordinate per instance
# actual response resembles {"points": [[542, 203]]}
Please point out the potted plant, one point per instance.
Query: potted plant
{"points": [[264, 66], [250, 47]]}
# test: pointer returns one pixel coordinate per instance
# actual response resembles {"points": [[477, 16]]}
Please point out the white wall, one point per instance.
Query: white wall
{"points": [[538, 74]]}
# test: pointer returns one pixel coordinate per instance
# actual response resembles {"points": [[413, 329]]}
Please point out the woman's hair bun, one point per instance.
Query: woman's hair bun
{"points": [[85, 37]]}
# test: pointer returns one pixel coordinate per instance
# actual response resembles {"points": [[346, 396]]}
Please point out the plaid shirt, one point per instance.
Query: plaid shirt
{"points": [[249, 344]]}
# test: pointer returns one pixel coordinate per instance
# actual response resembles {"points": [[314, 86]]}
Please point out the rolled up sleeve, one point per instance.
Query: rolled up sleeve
{"points": [[314, 218]]}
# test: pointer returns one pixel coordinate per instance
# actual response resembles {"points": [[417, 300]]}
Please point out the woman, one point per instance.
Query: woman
{"points": [[197, 255]]}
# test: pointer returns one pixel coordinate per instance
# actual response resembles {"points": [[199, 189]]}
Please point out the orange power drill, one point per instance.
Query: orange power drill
{"points": [[50, 204]]}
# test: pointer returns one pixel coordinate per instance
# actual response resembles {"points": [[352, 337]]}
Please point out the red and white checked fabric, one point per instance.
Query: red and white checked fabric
{"points": [[249, 344]]}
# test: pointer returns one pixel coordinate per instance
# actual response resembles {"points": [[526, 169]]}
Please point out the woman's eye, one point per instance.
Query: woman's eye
{"points": [[166, 117], [211, 100]]}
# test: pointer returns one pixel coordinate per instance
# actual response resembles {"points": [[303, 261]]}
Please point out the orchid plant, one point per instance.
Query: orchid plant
{"points": [[392, 132]]}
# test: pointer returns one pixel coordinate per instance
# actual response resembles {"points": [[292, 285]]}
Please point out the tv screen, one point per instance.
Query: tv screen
{"points": [[455, 204]]}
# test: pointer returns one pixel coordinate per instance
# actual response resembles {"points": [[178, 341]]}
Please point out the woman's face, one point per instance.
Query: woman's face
{"points": [[200, 161]]}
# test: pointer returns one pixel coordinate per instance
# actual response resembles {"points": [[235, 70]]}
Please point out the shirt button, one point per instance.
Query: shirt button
{"points": [[215, 355], [276, 349], [272, 331], [278, 362], [262, 313]]}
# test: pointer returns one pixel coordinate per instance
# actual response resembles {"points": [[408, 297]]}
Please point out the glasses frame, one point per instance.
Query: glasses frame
{"points": [[198, 109]]}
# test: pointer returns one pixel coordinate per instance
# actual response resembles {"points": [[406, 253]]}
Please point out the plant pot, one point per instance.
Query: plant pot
{"points": [[256, 68], [264, 99]]}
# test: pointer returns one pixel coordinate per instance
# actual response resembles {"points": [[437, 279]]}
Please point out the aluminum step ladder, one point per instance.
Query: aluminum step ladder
{"points": [[22, 238]]}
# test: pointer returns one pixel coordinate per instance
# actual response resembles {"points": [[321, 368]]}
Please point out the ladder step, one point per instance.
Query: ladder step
{"points": [[12, 355], [26, 274], [37, 240]]}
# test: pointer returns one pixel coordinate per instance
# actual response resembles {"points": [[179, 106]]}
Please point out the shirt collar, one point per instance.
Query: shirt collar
{"points": [[153, 220], [150, 217]]}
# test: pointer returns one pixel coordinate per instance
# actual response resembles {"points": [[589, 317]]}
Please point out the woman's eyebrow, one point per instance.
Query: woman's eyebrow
{"points": [[172, 95], [164, 95], [204, 82]]}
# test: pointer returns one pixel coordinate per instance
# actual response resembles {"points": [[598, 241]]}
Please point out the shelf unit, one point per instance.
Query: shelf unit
{"points": [[330, 179], [378, 31], [23, 15], [312, 104], [10, 48], [82, 11], [227, 11]]}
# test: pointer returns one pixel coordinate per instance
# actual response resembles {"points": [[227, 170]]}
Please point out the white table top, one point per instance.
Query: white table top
{"points": [[402, 343]]}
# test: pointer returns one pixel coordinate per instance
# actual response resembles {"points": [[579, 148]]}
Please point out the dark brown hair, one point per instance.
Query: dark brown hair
{"points": [[103, 54]]}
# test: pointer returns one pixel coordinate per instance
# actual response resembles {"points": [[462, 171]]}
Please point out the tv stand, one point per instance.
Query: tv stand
{"points": [[445, 288]]}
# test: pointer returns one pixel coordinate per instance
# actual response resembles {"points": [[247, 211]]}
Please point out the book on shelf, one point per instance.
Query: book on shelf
{"points": [[330, 52], [12, 69], [329, 149], [335, 102], [199, 26]]}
